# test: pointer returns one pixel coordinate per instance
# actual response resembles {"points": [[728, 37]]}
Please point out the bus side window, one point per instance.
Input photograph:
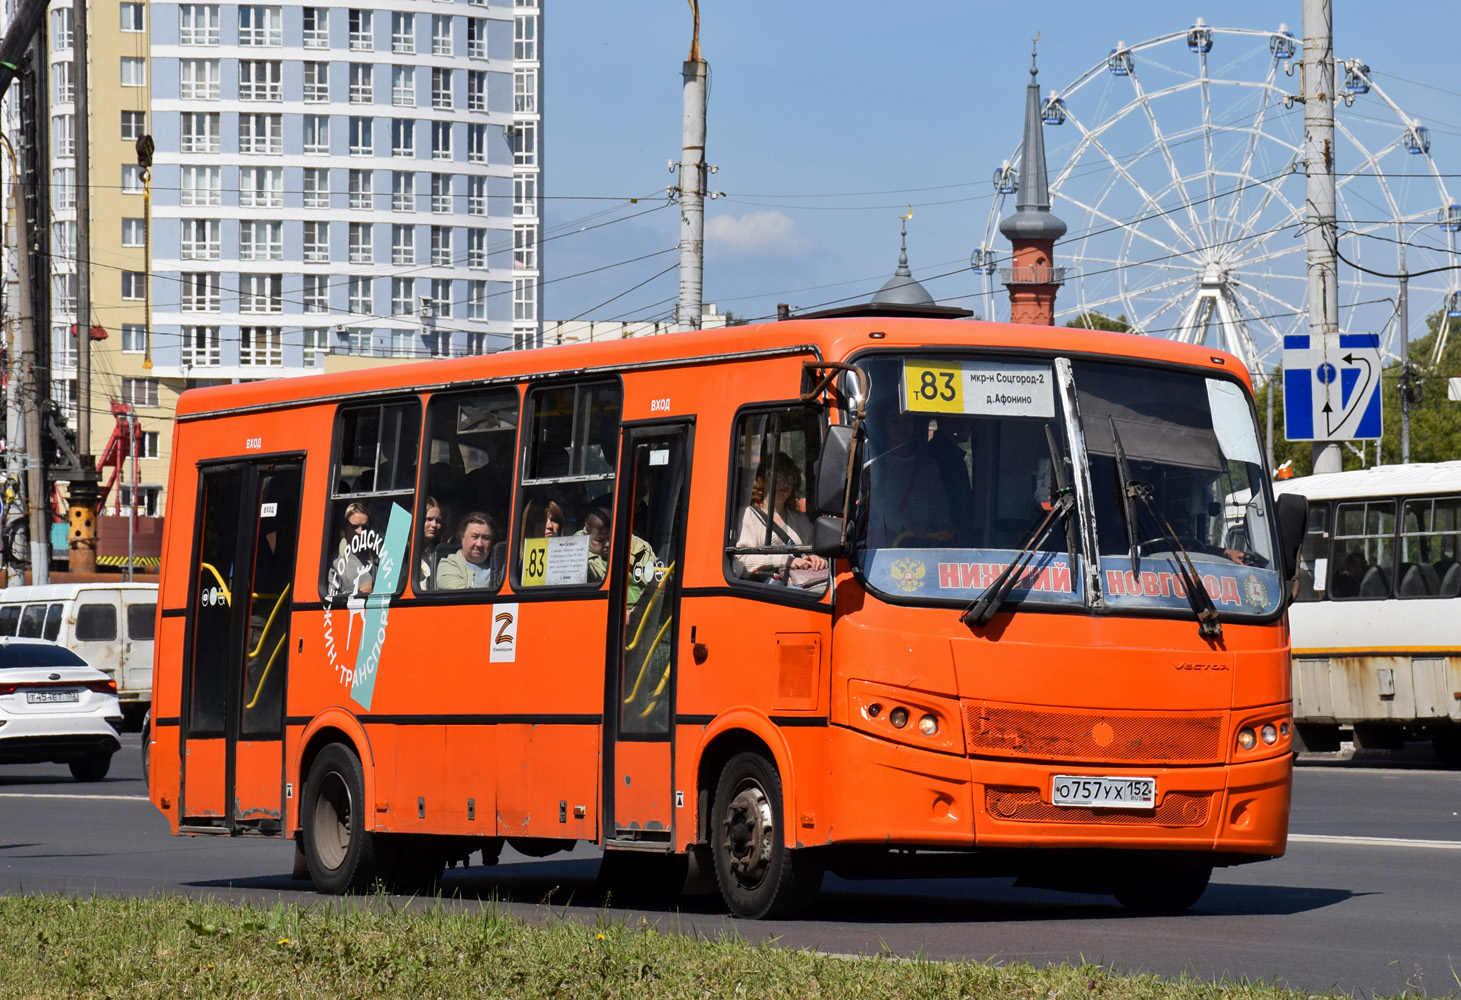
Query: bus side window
{"points": [[372, 496], [32, 620], [1364, 555], [1314, 553], [470, 445], [772, 463], [566, 501], [9, 619]]}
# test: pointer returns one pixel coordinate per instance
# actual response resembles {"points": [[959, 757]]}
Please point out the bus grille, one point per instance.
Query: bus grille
{"points": [[1023, 805], [1128, 738]]}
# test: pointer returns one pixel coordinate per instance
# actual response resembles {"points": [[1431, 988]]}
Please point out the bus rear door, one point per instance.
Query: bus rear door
{"points": [[644, 600], [238, 647]]}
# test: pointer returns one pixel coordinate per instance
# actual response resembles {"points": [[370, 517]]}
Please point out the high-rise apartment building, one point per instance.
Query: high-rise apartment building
{"points": [[355, 180]]}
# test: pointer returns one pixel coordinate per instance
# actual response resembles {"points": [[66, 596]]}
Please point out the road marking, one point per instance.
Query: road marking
{"points": [[1314, 838], [56, 795]]}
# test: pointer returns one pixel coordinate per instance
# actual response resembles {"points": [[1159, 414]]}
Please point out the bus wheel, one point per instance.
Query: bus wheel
{"points": [[758, 875], [337, 847], [1448, 750], [1163, 890]]}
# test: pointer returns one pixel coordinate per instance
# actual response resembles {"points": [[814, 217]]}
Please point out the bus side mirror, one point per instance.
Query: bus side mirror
{"points": [[832, 469], [827, 537], [1293, 515]]}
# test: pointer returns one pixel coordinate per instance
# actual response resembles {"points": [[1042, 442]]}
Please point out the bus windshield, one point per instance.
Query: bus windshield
{"points": [[968, 454]]}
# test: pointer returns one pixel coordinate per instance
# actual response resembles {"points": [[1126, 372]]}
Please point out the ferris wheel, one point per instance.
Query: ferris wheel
{"points": [[1177, 165]]}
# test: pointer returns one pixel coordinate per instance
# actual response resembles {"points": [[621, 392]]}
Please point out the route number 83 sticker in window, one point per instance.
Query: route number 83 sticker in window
{"points": [[980, 388]]}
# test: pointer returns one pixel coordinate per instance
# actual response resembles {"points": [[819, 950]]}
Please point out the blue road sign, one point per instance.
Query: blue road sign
{"points": [[1331, 390]]}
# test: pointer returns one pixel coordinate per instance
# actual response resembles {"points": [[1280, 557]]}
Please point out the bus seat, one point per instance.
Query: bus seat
{"points": [[1451, 585], [1431, 578], [1374, 584], [1413, 584]]}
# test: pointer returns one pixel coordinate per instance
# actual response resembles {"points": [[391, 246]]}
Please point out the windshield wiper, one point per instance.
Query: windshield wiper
{"points": [[1208, 625], [1062, 487], [987, 603]]}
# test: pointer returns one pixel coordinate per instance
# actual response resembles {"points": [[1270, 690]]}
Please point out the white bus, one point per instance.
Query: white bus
{"points": [[1377, 624]]}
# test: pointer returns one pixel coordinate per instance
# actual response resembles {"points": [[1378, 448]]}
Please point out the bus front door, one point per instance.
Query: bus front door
{"points": [[238, 648], [649, 539]]}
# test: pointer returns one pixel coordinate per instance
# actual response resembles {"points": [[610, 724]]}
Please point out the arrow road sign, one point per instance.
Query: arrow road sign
{"points": [[1332, 389]]}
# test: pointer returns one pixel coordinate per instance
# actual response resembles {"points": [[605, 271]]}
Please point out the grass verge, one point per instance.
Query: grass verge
{"points": [[56, 946]]}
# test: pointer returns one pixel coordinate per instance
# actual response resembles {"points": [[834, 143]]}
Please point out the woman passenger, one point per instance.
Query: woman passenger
{"points": [[772, 519], [430, 544]]}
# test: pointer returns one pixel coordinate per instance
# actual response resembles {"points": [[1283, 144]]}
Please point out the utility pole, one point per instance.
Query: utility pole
{"points": [[1320, 232], [1406, 388], [35, 476], [692, 184], [83, 491]]}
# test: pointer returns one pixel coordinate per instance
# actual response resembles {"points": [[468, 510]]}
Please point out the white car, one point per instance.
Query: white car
{"points": [[54, 706]]}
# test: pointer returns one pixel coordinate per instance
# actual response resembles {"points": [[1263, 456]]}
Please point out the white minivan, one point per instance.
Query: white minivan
{"points": [[109, 625]]}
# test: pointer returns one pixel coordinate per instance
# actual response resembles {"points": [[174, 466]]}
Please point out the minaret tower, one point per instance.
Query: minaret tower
{"points": [[1033, 279]]}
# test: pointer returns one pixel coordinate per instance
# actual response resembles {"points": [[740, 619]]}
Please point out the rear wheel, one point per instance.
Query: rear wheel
{"points": [[1164, 890], [1448, 750], [91, 767], [337, 848], [757, 874]]}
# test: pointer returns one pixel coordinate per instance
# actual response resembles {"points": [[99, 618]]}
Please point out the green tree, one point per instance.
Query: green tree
{"points": [[1100, 321]]}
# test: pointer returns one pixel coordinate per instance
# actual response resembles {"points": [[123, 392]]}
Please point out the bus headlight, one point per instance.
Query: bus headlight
{"points": [[898, 717], [1247, 738], [928, 725], [1269, 733]]}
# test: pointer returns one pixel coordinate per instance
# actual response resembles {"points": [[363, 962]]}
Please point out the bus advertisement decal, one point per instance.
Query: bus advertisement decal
{"points": [[966, 573], [368, 572], [1159, 583], [504, 633]]}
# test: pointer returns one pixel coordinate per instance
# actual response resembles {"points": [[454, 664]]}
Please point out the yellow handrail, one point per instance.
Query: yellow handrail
{"points": [[267, 667], [644, 664], [278, 603], [654, 595]]}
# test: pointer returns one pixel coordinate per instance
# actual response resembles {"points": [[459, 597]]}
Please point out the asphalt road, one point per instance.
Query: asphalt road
{"points": [[1364, 901]]}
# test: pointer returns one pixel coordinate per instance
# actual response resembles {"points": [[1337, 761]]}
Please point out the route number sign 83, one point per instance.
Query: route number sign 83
{"points": [[931, 387]]}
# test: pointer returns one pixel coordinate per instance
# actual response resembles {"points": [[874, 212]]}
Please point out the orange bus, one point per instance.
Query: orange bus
{"points": [[878, 595]]}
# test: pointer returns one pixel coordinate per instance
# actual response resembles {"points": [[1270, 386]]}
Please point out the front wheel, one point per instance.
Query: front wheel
{"points": [[757, 874], [1164, 890], [338, 849], [91, 767]]}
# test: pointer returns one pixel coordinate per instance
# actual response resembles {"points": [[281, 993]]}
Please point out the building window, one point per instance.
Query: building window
{"points": [[360, 301], [476, 196], [200, 186], [441, 193], [134, 125], [477, 37], [134, 71], [441, 35], [362, 80], [200, 132], [198, 24], [403, 32], [360, 243], [525, 38], [316, 82], [403, 191], [316, 294], [260, 293], [403, 86], [317, 134], [476, 248], [131, 179], [202, 291], [134, 338], [65, 247], [403, 344], [316, 242], [63, 188], [476, 300], [476, 143], [403, 137], [316, 27], [260, 240], [63, 131], [260, 26], [134, 286], [441, 303], [525, 248], [198, 79], [524, 194], [476, 90], [201, 347], [525, 144], [200, 239], [441, 88], [403, 244], [403, 296], [358, 340], [525, 90], [65, 288], [316, 343], [441, 246], [362, 36], [260, 345], [361, 140], [441, 140], [362, 188], [260, 80], [133, 18], [63, 87], [147, 446], [260, 187], [63, 28], [139, 391], [525, 300], [316, 187]]}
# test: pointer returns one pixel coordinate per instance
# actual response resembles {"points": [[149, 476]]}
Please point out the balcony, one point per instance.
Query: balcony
{"points": [[1032, 275]]}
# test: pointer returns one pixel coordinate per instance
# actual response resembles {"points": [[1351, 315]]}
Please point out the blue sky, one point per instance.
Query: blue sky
{"points": [[827, 120]]}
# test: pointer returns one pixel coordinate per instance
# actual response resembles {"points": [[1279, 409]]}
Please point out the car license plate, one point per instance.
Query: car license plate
{"points": [[1104, 793], [52, 697]]}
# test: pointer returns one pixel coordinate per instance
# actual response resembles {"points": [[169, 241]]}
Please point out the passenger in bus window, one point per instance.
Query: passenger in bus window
{"points": [[1346, 582], [544, 519], [479, 562], [907, 505], [946, 446], [772, 519], [641, 554], [431, 545], [356, 562]]}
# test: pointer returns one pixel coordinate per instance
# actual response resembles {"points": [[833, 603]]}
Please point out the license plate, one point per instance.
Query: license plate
{"points": [[52, 697], [1104, 793]]}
